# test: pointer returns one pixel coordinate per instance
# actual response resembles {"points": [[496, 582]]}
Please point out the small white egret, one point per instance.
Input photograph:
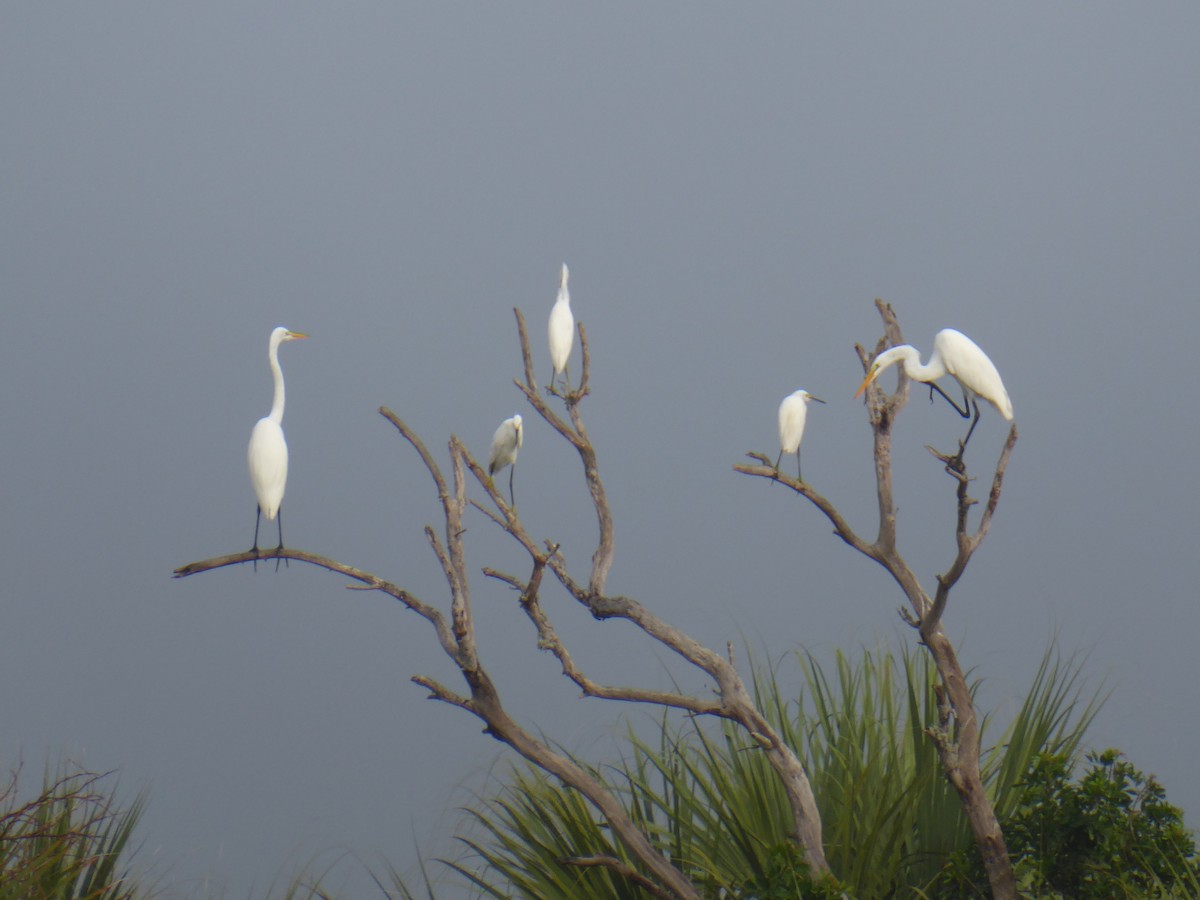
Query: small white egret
{"points": [[562, 330], [793, 412], [268, 453], [953, 354], [506, 442]]}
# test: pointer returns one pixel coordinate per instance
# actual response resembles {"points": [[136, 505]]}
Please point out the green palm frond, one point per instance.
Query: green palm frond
{"points": [[706, 794], [70, 842]]}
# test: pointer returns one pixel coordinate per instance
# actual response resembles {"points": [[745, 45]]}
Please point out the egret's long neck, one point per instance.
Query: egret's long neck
{"points": [[931, 371], [276, 414]]}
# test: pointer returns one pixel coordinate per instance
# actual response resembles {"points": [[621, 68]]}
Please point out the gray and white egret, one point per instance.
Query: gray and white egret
{"points": [[793, 412], [268, 454], [506, 443], [562, 330], [953, 354]]}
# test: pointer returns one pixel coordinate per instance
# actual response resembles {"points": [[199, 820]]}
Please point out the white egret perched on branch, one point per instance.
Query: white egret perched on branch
{"points": [[268, 453], [562, 330], [953, 354], [793, 412], [506, 442]]}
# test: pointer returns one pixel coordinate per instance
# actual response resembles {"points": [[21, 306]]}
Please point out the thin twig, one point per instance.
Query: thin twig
{"points": [[969, 543], [840, 526]]}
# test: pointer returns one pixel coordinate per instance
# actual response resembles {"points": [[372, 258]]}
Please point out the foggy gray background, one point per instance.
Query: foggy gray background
{"points": [[731, 185]]}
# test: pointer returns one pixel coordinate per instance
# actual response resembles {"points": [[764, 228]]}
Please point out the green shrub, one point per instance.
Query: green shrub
{"points": [[67, 843], [1112, 833], [708, 798]]}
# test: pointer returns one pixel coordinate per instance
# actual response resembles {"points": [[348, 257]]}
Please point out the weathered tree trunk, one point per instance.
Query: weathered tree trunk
{"points": [[958, 745]]}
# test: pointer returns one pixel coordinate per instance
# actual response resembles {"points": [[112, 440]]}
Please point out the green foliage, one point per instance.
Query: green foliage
{"points": [[529, 828], [67, 843], [1112, 833], [788, 876], [708, 798]]}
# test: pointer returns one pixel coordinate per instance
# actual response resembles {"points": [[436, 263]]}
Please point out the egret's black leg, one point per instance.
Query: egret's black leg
{"points": [[257, 518], [512, 470], [799, 477], [974, 422], [964, 410], [777, 459], [279, 516]]}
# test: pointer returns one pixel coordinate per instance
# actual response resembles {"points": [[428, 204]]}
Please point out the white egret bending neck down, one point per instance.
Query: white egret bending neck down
{"points": [[506, 442], [793, 412], [267, 454], [953, 354], [562, 330]]}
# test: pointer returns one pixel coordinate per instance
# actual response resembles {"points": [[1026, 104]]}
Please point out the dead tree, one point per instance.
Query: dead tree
{"points": [[958, 736], [730, 699]]}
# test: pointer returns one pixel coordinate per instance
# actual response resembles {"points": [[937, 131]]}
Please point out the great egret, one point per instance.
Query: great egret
{"points": [[954, 354], [268, 453], [792, 413], [562, 330], [506, 442]]}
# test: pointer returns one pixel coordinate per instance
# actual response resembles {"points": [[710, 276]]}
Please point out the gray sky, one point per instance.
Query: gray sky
{"points": [[731, 186]]}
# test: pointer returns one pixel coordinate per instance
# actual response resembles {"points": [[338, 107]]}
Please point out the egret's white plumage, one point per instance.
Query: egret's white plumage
{"points": [[953, 354], [267, 454], [793, 412], [562, 329], [506, 443]]}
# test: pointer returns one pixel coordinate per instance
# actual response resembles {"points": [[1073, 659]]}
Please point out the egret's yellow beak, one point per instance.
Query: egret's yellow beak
{"points": [[871, 376], [295, 335]]}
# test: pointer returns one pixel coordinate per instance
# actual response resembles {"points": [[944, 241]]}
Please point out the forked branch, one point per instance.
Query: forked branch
{"points": [[733, 700], [548, 639]]}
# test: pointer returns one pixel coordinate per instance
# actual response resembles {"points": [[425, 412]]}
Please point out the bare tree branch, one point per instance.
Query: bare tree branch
{"points": [[443, 557], [438, 691], [766, 469], [577, 435], [371, 582], [958, 737], [460, 600], [452, 574], [548, 639], [968, 543], [622, 869]]}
